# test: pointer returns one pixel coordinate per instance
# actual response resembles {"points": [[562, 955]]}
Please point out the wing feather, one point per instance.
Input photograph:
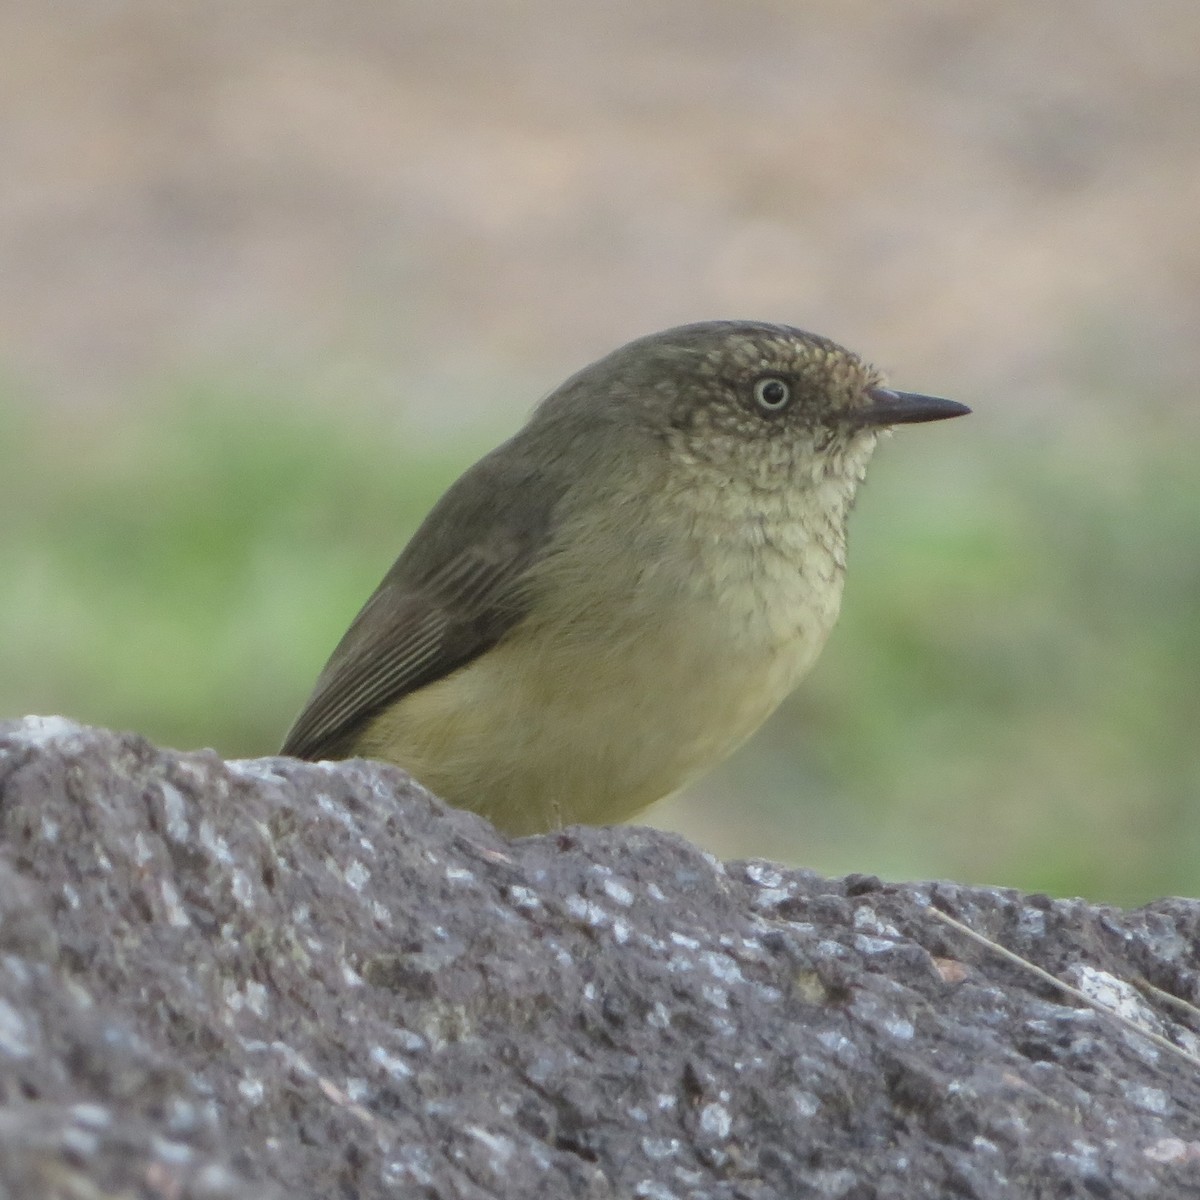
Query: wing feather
{"points": [[442, 604]]}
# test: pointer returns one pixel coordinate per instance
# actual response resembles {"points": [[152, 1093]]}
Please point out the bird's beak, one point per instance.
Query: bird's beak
{"points": [[887, 407]]}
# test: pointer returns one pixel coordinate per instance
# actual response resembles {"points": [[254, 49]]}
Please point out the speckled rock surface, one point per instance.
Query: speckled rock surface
{"points": [[274, 978]]}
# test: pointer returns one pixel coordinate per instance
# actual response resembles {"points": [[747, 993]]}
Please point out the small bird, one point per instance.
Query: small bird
{"points": [[613, 600]]}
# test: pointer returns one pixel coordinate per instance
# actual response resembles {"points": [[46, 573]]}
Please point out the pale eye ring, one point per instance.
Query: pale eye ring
{"points": [[772, 394]]}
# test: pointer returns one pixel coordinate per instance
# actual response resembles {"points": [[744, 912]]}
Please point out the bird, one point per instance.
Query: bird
{"points": [[614, 599]]}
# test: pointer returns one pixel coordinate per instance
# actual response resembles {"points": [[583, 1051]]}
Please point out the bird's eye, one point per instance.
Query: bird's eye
{"points": [[771, 394]]}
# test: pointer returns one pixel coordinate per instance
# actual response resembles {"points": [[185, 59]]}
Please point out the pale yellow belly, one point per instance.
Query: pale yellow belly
{"points": [[546, 730]]}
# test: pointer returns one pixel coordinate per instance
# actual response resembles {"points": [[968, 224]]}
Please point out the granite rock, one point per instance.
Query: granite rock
{"points": [[268, 978]]}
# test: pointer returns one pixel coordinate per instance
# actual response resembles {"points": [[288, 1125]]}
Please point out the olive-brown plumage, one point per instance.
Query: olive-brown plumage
{"points": [[615, 598]]}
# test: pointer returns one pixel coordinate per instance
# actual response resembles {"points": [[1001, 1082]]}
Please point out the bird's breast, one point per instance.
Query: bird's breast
{"points": [[638, 667], [705, 631]]}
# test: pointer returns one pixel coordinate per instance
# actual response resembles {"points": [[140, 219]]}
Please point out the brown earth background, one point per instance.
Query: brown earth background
{"points": [[408, 221]]}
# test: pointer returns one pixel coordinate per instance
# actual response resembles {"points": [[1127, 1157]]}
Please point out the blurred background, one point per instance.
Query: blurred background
{"points": [[272, 274]]}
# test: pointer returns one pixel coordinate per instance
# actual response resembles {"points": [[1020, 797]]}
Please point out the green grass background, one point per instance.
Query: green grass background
{"points": [[1010, 696]]}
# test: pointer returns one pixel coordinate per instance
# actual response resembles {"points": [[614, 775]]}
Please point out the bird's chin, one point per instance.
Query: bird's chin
{"points": [[854, 441], [848, 457]]}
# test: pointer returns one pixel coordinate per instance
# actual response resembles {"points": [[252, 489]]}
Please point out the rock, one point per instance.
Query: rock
{"points": [[270, 978]]}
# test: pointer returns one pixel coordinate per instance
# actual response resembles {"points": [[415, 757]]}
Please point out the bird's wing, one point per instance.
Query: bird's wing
{"points": [[453, 593]]}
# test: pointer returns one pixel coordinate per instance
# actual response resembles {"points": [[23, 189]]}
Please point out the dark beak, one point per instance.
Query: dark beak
{"points": [[904, 408]]}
